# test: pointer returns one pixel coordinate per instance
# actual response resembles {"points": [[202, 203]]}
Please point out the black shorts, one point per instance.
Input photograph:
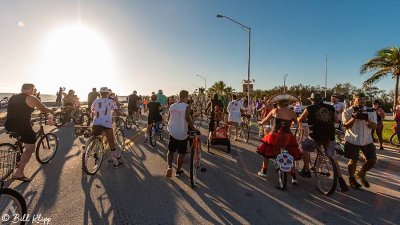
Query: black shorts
{"points": [[97, 129], [27, 135], [352, 151], [175, 144], [150, 120]]}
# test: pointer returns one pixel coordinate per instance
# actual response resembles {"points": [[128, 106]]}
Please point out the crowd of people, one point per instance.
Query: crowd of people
{"points": [[358, 122]]}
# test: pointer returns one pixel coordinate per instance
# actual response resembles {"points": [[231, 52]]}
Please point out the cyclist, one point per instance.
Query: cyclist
{"points": [[71, 102], [161, 98], [178, 122], [216, 113], [102, 109], [92, 96], [234, 118], [154, 115], [18, 119], [133, 100], [321, 119]]}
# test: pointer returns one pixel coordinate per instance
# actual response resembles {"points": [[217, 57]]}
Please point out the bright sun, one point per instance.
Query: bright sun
{"points": [[76, 58]]}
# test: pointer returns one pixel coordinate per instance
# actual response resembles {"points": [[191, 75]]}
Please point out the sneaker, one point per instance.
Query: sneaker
{"points": [[118, 164], [178, 173], [262, 173], [343, 185], [363, 179], [303, 173], [169, 172], [294, 181], [353, 183]]}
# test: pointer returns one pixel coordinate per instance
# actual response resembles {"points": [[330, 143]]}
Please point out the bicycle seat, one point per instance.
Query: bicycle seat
{"points": [[193, 132], [13, 134]]}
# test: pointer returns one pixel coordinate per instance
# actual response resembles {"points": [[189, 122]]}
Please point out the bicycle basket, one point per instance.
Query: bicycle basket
{"points": [[7, 163], [308, 145]]}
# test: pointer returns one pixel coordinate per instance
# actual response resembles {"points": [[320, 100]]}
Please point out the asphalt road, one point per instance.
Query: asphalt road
{"points": [[230, 192]]}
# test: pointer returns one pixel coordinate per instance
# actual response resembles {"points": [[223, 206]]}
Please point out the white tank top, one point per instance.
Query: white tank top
{"points": [[177, 124]]}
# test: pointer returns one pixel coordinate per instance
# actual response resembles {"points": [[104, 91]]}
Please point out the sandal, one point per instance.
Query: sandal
{"points": [[23, 179]]}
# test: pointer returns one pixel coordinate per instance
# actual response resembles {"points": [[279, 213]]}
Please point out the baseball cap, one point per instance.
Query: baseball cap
{"points": [[104, 89]]}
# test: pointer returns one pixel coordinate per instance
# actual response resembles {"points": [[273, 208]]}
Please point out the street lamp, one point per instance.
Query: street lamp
{"points": [[248, 29], [205, 81], [284, 83]]}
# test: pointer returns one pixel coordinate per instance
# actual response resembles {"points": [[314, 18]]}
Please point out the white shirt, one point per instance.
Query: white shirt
{"points": [[177, 124], [339, 106], [234, 111], [359, 133], [103, 109], [297, 107]]}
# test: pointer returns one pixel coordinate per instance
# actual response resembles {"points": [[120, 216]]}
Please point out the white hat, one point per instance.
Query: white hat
{"points": [[104, 89]]}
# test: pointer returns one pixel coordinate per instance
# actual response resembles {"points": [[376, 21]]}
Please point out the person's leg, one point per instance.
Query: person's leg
{"points": [[369, 152], [352, 153], [264, 168], [172, 146], [26, 156], [330, 151], [182, 147], [379, 130]]}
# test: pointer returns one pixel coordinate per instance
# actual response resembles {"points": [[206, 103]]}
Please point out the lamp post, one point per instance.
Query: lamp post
{"points": [[205, 82], [284, 83], [248, 29]]}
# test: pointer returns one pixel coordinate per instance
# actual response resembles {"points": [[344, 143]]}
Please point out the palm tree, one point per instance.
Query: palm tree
{"points": [[228, 91], [386, 61], [218, 87]]}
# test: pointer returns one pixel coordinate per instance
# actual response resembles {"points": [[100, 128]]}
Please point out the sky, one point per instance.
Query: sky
{"points": [[147, 45]]}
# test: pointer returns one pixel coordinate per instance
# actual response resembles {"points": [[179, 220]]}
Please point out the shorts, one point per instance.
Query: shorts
{"points": [[352, 151], [175, 144], [28, 136], [150, 120], [98, 129]]}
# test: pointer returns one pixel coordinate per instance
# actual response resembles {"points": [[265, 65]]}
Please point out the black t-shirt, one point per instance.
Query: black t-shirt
{"points": [[154, 109], [321, 118], [18, 114], [132, 101]]}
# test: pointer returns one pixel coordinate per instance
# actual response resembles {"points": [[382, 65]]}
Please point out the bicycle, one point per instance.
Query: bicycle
{"points": [[156, 130], [4, 103], [129, 122], [46, 147], [62, 117], [195, 157], [283, 165], [245, 128], [321, 165], [81, 116], [12, 203], [97, 147], [394, 140]]}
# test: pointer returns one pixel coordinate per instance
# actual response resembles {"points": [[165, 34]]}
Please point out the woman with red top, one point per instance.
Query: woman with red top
{"points": [[279, 137]]}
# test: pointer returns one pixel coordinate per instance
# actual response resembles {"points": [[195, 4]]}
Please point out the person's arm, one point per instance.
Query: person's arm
{"points": [[33, 102], [268, 117], [381, 113], [348, 120], [372, 121], [189, 118]]}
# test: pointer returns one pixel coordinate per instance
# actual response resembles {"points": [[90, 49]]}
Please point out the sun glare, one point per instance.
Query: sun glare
{"points": [[76, 58]]}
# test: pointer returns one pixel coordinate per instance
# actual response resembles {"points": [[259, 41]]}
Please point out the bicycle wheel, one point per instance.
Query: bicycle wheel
{"points": [[92, 157], [8, 162], [120, 123], [59, 119], [195, 161], [153, 135], [12, 205], [86, 120], [394, 140], [325, 174], [128, 122], [246, 132], [77, 117], [120, 139], [46, 148]]}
